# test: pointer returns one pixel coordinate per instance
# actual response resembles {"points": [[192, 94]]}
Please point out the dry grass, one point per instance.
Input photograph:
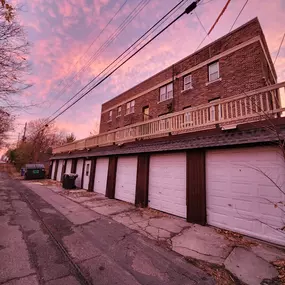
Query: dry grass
{"points": [[219, 273], [236, 239], [78, 193], [280, 267], [11, 170]]}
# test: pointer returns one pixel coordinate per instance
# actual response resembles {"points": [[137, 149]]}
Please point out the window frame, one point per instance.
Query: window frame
{"points": [[119, 113], [209, 72], [130, 107], [184, 84], [145, 116], [165, 94], [110, 115]]}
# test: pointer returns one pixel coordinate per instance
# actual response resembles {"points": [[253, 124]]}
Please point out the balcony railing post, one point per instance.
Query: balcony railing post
{"points": [[237, 107]]}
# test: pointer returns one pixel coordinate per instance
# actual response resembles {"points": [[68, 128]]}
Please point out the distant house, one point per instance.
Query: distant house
{"points": [[193, 140]]}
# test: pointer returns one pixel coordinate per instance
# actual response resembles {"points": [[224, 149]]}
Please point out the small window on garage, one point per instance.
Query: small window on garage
{"points": [[187, 82], [87, 169], [214, 71]]}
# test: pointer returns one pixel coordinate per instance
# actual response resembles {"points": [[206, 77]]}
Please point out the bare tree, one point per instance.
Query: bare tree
{"points": [[70, 138], [43, 139], [13, 66], [37, 144], [14, 49], [6, 125], [95, 129]]}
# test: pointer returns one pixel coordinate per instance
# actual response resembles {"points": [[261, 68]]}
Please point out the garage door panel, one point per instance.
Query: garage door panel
{"points": [[68, 166], [242, 199], [271, 192], [167, 183], [126, 178], [59, 170], [53, 169], [266, 210], [101, 174], [79, 169]]}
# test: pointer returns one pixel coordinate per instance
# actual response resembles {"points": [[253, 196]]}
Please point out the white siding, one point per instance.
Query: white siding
{"points": [[167, 183], [68, 166], [239, 195], [53, 169], [126, 178], [101, 173], [79, 169], [59, 170], [86, 174]]}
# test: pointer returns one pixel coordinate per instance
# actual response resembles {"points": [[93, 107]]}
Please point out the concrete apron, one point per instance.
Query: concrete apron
{"points": [[249, 260]]}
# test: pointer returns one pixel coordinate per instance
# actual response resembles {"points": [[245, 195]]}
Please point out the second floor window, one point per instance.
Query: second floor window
{"points": [[166, 92], [110, 116], [130, 107], [187, 82], [214, 71], [119, 111]]}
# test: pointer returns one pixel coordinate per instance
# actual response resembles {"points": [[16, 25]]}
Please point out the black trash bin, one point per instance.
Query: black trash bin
{"points": [[69, 181]]}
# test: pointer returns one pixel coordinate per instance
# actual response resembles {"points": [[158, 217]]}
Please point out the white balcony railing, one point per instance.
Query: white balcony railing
{"points": [[260, 104]]}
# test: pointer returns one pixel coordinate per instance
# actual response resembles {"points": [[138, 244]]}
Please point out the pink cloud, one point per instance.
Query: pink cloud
{"points": [[55, 53]]}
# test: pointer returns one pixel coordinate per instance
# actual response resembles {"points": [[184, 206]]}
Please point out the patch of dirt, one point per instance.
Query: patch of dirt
{"points": [[236, 239], [78, 194], [219, 273], [11, 170], [46, 182], [154, 213], [280, 267]]}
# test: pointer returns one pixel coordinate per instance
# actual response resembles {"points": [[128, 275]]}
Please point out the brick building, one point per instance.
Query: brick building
{"points": [[194, 140], [236, 63]]}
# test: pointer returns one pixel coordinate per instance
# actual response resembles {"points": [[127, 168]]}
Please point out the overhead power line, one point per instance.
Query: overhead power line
{"points": [[142, 4], [124, 54], [238, 14], [92, 43], [279, 48], [215, 23], [127, 51], [203, 27], [189, 9]]}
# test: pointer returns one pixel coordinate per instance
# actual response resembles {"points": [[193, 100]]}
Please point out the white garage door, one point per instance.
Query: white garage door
{"points": [[53, 169], [240, 195], [167, 183], [126, 178], [59, 170], [68, 166], [79, 168], [101, 173]]}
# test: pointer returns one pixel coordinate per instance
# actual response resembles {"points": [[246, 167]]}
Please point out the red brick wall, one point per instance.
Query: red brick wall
{"points": [[241, 71]]}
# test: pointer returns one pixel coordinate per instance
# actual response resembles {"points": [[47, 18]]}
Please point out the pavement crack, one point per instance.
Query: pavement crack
{"points": [[18, 278], [205, 254]]}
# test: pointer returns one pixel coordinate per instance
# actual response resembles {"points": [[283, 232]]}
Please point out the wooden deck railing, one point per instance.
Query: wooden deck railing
{"points": [[260, 104]]}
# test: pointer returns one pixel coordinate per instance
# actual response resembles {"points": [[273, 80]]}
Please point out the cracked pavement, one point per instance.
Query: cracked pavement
{"points": [[49, 239], [192, 241]]}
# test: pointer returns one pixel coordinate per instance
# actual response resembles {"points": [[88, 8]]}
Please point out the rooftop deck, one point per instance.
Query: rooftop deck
{"points": [[257, 105]]}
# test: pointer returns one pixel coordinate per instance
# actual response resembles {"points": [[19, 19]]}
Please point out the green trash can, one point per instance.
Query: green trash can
{"points": [[35, 171]]}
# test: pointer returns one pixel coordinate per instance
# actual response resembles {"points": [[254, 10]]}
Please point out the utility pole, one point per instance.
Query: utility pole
{"points": [[24, 135], [18, 142]]}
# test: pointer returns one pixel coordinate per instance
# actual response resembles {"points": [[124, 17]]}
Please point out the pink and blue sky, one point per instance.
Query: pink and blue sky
{"points": [[61, 30]]}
